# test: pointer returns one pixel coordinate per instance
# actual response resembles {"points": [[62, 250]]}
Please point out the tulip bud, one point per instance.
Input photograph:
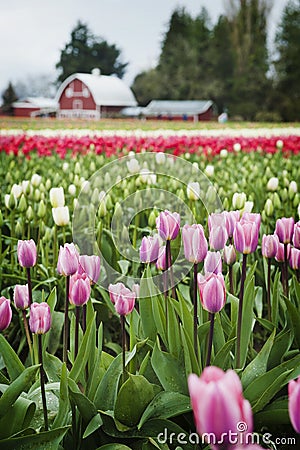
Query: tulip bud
{"points": [[133, 166], [48, 184], [218, 237], [212, 291], [295, 258], [152, 219], [108, 203], [21, 296], [10, 201], [272, 184], [77, 168], [296, 200], [193, 191], [61, 215], [72, 190], [102, 209], [279, 144], [229, 255], [269, 208], [57, 197], [5, 313], [80, 289], [68, 260], [276, 200], [292, 189], [40, 318], [22, 206], [296, 235], [16, 190], [41, 210], [209, 170], [27, 253], [238, 200], [237, 147], [284, 195], [161, 260], [19, 229], [122, 298]]}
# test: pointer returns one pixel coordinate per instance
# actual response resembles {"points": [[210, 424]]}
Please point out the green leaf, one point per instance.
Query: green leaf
{"points": [[17, 417], [166, 405], [169, 371], [86, 408], [294, 317], [275, 414], [62, 415], [93, 425], [174, 343], [83, 352], [20, 384], [148, 293], [247, 319], [258, 365], [223, 357], [95, 374], [114, 447], [47, 440], [282, 343], [190, 362], [12, 362], [134, 396]]}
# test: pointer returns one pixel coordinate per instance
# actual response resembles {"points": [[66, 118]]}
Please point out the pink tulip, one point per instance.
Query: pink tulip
{"points": [[296, 235], [21, 296], [161, 260], [269, 245], [218, 237], [285, 229], [5, 313], [229, 255], [68, 260], [122, 297], [149, 249], [168, 225], [91, 266], [194, 243], [27, 253], [212, 291], [251, 217], [213, 262], [80, 289], [294, 403], [219, 406], [232, 217], [295, 258], [245, 237], [216, 220], [248, 447], [280, 252], [40, 318], [136, 289]]}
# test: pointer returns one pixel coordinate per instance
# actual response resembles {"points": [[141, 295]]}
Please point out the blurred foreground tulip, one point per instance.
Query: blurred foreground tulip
{"points": [[294, 403]]}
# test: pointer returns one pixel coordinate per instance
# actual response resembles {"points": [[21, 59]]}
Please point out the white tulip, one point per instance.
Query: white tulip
{"points": [[72, 189], [238, 200], [133, 165], [223, 153], [237, 147], [17, 190], [272, 184], [209, 170], [57, 197], [293, 187], [36, 179], [61, 215], [193, 191], [279, 143], [248, 207], [160, 158], [65, 167]]}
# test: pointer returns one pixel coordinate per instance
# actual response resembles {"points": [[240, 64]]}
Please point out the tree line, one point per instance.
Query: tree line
{"points": [[229, 62]]}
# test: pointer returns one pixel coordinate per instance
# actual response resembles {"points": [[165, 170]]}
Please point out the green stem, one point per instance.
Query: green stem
{"points": [[195, 311], [42, 377], [269, 290], [27, 332], [66, 323], [136, 225], [240, 312], [210, 339]]}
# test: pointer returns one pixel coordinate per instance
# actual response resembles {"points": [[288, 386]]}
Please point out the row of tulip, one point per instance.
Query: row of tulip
{"points": [[118, 145]]}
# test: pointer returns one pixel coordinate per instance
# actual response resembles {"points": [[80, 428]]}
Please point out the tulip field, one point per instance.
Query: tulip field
{"points": [[150, 288]]}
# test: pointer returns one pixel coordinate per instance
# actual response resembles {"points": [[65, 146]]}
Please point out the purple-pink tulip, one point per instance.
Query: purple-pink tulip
{"points": [[232, 217], [21, 296], [149, 249], [27, 253], [213, 262], [216, 220], [251, 217], [218, 237], [161, 260], [294, 403], [5, 313], [212, 291], [295, 258], [68, 260], [168, 225], [296, 235], [229, 255], [285, 229], [40, 318], [194, 243], [219, 406], [280, 252], [122, 297], [80, 289], [91, 266], [245, 236], [269, 245]]}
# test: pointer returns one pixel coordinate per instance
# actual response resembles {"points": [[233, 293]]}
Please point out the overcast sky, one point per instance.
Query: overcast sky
{"points": [[33, 32]]}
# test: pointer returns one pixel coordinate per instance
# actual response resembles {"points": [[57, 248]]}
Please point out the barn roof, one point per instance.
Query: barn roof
{"points": [[36, 102], [180, 107], [106, 90]]}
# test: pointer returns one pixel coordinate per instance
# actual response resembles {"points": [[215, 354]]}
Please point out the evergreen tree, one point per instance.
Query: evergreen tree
{"points": [[85, 52], [288, 63], [8, 98]]}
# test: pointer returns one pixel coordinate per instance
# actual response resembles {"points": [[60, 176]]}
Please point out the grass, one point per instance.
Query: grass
{"points": [[127, 124]]}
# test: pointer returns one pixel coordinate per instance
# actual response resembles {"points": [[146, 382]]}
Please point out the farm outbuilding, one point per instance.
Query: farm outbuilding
{"points": [[195, 110], [92, 96], [35, 106]]}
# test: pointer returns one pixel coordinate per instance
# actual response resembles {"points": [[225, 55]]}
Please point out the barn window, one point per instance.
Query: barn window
{"points": [[77, 104]]}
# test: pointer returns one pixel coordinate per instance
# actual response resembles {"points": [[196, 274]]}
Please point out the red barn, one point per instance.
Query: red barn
{"points": [[194, 110], [92, 96], [35, 106]]}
